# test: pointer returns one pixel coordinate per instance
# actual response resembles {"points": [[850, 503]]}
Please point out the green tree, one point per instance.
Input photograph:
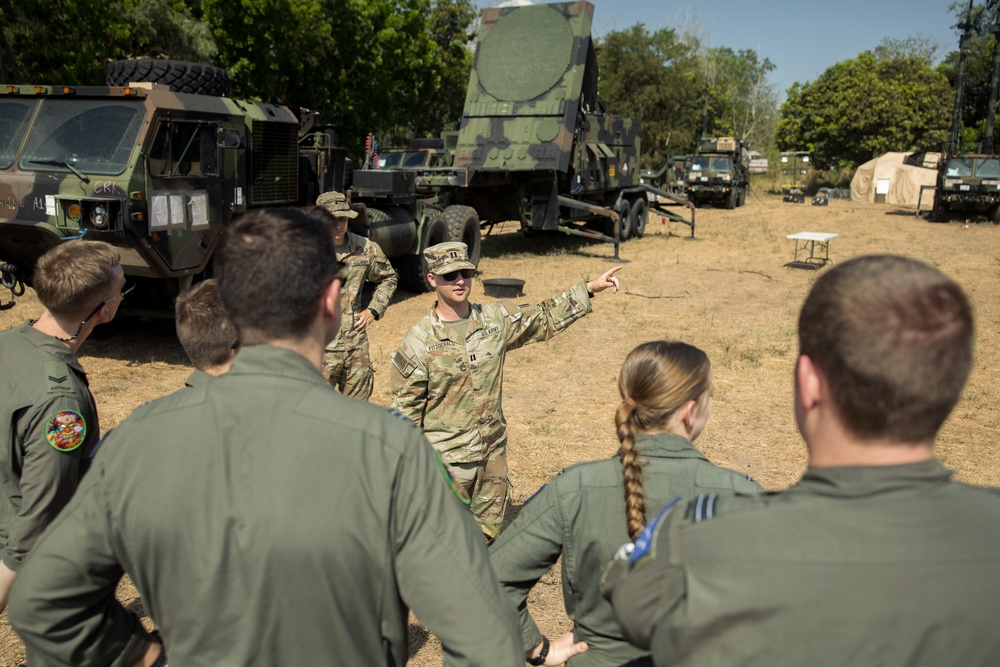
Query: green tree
{"points": [[655, 77], [54, 41], [741, 101], [861, 108]]}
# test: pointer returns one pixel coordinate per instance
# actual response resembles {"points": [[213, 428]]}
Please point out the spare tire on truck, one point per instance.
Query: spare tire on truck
{"points": [[180, 76]]}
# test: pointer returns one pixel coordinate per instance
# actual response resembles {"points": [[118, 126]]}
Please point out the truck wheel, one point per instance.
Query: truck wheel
{"points": [[624, 211], [463, 226], [937, 214], [412, 269], [731, 200], [639, 216], [743, 197], [182, 77]]}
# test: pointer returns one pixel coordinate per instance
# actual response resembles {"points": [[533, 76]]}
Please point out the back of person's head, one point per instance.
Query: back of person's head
{"points": [[203, 326], [73, 277], [894, 339], [657, 379], [272, 267]]}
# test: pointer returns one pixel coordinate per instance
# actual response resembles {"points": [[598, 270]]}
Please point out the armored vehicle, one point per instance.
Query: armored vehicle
{"points": [[535, 145], [155, 172], [719, 173]]}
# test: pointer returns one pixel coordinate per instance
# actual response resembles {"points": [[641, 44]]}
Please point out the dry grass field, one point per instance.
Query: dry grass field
{"points": [[727, 292]]}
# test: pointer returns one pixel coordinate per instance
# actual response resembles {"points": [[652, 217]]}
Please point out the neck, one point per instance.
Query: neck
{"points": [[305, 347], [50, 325], [869, 453], [449, 312]]}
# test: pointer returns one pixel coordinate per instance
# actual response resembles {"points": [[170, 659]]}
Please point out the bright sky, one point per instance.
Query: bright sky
{"points": [[801, 38]]}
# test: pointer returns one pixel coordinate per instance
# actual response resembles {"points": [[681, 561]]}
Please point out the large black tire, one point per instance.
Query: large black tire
{"points": [[938, 214], [412, 269], [182, 77], [639, 216], [732, 199], [463, 226], [743, 197], [624, 211]]}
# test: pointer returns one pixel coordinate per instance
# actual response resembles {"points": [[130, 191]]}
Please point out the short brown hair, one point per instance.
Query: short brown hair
{"points": [[73, 277], [894, 338], [273, 265], [203, 326]]}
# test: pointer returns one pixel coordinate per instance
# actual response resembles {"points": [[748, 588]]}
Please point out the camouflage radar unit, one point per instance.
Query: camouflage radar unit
{"points": [[535, 145], [719, 173], [155, 172]]}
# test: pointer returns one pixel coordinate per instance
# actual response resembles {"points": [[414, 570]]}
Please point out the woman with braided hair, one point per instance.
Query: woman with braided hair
{"points": [[590, 509]]}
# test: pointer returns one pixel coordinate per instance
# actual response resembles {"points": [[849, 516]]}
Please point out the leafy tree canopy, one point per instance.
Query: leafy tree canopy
{"points": [[863, 107]]}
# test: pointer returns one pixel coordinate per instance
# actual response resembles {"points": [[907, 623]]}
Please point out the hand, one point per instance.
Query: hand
{"points": [[606, 280], [363, 319], [564, 648]]}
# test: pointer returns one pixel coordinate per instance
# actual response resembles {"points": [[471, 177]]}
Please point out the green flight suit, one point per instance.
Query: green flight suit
{"points": [[453, 388], [265, 520], [52, 428], [197, 378], [581, 515], [883, 565]]}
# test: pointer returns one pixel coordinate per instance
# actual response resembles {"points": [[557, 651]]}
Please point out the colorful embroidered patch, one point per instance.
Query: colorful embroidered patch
{"points": [[66, 431], [459, 492]]}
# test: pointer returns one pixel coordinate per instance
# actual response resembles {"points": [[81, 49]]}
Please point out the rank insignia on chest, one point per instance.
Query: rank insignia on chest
{"points": [[66, 431]]}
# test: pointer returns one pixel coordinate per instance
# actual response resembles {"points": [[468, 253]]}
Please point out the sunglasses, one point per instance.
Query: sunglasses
{"points": [[452, 276], [127, 289]]}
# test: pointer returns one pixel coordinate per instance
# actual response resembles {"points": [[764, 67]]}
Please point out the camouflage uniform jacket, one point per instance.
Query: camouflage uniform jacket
{"points": [[453, 390], [366, 263], [50, 432]]}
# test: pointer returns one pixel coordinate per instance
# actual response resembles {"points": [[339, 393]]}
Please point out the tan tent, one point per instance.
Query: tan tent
{"points": [[891, 179]]}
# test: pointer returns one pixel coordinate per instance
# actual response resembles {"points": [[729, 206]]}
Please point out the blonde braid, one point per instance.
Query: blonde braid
{"points": [[635, 499]]}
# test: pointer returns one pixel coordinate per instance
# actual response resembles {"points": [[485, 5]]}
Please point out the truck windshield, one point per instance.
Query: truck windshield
{"points": [[92, 136], [720, 165], [988, 168], [699, 164], [958, 167], [14, 117]]}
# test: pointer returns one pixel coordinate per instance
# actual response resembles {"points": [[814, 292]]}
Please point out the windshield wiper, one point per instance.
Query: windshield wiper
{"points": [[63, 163]]}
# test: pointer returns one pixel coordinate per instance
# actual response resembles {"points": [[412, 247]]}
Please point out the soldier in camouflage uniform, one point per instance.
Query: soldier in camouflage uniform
{"points": [[345, 362], [447, 374]]}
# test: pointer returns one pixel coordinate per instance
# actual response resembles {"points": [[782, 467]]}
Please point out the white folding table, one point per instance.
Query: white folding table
{"points": [[818, 245]]}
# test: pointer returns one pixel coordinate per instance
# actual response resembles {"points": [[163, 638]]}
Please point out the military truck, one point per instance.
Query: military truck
{"points": [[719, 173], [535, 145], [156, 172], [670, 176]]}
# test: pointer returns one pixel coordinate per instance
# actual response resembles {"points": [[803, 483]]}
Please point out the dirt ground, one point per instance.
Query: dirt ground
{"points": [[727, 291]]}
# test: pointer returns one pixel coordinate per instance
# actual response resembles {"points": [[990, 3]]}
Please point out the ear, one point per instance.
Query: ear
{"points": [[104, 316], [330, 300], [430, 279], [810, 383], [687, 414]]}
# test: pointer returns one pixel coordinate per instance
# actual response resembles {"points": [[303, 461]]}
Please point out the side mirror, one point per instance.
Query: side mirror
{"points": [[232, 139]]}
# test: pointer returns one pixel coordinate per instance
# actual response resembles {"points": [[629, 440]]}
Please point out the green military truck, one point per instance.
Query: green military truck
{"points": [[535, 145], [154, 171], [719, 173]]}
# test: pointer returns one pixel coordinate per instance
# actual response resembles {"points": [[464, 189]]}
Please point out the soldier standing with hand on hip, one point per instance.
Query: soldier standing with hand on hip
{"points": [[346, 362], [447, 375]]}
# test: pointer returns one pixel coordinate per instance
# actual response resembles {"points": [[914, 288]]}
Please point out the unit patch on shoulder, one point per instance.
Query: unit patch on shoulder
{"points": [[66, 430], [459, 492], [404, 365], [644, 543]]}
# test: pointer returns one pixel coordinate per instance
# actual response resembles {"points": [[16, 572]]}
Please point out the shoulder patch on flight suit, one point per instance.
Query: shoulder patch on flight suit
{"points": [[57, 377], [644, 543], [702, 508], [66, 430], [459, 492], [403, 364]]}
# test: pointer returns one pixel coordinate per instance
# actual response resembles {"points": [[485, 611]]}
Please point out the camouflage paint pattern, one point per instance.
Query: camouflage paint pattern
{"points": [[156, 173], [968, 183], [487, 483], [345, 362], [453, 389], [706, 182]]}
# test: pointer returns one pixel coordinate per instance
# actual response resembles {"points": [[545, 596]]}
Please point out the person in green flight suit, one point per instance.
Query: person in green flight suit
{"points": [[264, 518], [876, 556], [51, 425], [205, 331], [590, 509]]}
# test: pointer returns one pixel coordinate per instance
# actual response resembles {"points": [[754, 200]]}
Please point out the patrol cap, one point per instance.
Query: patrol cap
{"points": [[447, 257], [336, 203]]}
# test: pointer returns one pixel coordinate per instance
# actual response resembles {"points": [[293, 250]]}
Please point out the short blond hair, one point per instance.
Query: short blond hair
{"points": [[73, 277]]}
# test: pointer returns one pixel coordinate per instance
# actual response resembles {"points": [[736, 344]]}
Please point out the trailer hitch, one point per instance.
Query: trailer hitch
{"points": [[13, 282]]}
